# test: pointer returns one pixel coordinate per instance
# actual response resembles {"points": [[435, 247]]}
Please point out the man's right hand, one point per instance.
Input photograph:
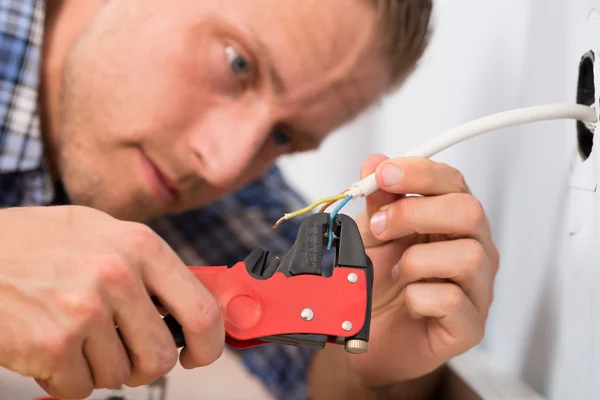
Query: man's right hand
{"points": [[69, 275]]}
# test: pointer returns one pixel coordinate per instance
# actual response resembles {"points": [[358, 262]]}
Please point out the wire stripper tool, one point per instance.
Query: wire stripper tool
{"points": [[295, 299]]}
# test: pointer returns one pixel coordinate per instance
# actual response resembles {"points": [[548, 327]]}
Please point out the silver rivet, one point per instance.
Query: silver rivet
{"points": [[347, 326], [307, 314], [353, 278]]}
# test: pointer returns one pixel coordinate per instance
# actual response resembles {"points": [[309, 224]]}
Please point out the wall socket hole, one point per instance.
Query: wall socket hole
{"points": [[586, 95]]}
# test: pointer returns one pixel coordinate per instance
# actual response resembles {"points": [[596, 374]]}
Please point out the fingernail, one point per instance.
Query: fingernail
{"points": [[396, 273], [378, 222], [391, 175]]}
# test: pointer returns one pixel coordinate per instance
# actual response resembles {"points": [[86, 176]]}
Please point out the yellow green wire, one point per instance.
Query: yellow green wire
{"points": [[330, 203], [306, 209]]}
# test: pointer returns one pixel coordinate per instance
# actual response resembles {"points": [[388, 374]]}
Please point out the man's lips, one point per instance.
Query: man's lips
{"points": [[161, 185]]}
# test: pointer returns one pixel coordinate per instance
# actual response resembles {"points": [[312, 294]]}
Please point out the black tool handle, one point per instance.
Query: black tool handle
{"points": [[175, 329], [172, 324]]}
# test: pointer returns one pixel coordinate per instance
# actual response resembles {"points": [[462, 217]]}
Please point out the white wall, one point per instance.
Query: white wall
{"points": [[486, 57]]}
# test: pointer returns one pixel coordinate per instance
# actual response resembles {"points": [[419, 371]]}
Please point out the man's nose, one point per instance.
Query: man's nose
{"points": [[227, 141]]}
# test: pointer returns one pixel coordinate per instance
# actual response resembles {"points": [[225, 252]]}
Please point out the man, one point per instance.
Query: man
{"points": [[170, 115]]}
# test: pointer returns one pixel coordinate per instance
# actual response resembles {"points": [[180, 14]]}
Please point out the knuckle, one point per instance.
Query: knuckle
{"points": [[140, 236], [454, 299], [371, 163], [458, 179], [413, 297], [471, 211], [451, 176], [116, 377], [495, 258], [428, 177], [409, 296], [409, 263], [84, 308], [158, 364], [475, 255], [115, 270], [54, 346], [205, 316], [404, 210]]}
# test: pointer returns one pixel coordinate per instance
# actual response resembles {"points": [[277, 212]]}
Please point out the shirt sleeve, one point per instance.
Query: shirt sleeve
{"points": [[224, 233]]}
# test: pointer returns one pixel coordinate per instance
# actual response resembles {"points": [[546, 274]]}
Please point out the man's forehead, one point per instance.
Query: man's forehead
{"points": [[319, 59], [305, 44]]}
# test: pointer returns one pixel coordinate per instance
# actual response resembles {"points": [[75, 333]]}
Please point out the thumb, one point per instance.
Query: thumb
{"points": [[374, 202]]}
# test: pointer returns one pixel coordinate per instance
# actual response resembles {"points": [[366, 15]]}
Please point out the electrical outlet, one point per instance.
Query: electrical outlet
{"points": [[586, 95]]}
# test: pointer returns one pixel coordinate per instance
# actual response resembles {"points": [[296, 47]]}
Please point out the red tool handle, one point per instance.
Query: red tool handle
{"points": [[254, 308]]}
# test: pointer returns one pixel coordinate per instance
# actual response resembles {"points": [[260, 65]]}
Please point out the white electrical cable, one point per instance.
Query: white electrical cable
{"points": [[586, 114]]}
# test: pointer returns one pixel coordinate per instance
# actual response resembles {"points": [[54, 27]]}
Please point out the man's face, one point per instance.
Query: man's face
{"points": [[170, 105]]}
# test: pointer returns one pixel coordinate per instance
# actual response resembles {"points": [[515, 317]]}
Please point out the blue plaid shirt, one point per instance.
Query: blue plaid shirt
{"points": [[222, 233]]}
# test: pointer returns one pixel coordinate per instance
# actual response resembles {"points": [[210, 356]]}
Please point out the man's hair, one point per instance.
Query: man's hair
{"points": [[404, 31]]}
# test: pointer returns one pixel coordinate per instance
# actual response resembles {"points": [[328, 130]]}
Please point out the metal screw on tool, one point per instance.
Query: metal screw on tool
{"points": [[353, 278], [307, 314], [347, 326]]}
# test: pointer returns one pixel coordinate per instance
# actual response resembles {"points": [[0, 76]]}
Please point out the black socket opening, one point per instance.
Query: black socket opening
{"points": [[586, 95]]}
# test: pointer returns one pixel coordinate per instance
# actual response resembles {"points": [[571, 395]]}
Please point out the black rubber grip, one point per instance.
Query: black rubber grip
{"points": [[172, 324], [175, 330]]}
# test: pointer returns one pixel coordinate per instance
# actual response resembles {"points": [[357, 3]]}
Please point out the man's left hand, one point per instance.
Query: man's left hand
{"points": [[435, 264]]}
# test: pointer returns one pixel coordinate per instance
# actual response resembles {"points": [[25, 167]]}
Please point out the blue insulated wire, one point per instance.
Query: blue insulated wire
{"points": [[332, 219]]}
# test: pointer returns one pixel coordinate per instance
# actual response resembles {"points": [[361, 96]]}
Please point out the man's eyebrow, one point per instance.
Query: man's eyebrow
{"points": [[265, 54], [313, 140], [274, 76]]}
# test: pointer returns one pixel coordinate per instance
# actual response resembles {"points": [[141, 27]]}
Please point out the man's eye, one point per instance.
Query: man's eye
{"points": [[280, 137], [237, 62]]}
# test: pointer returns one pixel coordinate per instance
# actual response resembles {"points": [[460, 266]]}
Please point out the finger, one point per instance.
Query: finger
{"points": [[455, 324], [182, 294], [418, 175], [71, 379], [106, 356], [454, 215], [380, 198], [150, 346], [374, 201], [463, 261]]}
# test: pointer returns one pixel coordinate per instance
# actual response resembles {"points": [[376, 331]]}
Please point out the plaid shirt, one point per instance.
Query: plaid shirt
{"points": [[222, 233]]}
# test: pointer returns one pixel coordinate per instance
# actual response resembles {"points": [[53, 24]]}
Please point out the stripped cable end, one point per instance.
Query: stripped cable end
{"points": [[308, 208], [279, 221]]}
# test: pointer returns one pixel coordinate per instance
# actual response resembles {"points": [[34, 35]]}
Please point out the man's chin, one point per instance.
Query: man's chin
{"points": [[134, 212], [129, 209], [138, 206]]}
